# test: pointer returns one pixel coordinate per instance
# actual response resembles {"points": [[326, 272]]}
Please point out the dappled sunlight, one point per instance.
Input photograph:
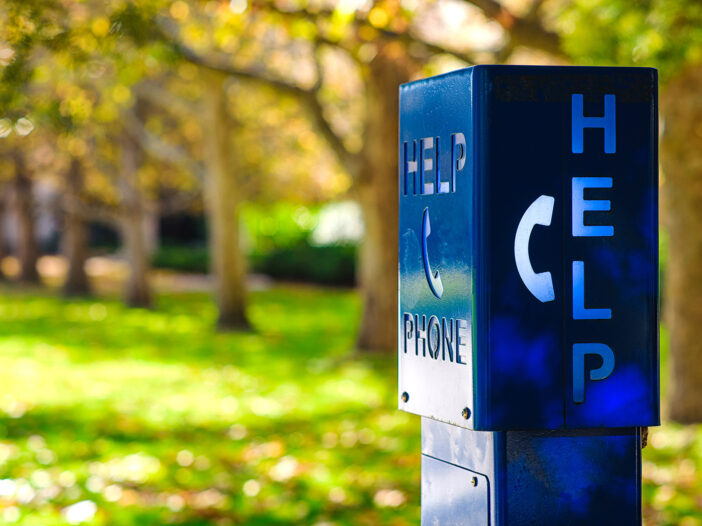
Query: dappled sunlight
{"points": [[118, 416], [672, 475]]}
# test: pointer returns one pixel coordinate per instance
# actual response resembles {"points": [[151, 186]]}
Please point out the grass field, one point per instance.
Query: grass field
{"points": [[127, 417]]}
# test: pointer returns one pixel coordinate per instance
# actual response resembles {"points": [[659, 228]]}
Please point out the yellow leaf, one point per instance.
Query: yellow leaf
{"points": [[180, 10], [367, 33], [378, 17], [106, 112], [303, 29], [77, 146], [121, 94], [100, 26]]}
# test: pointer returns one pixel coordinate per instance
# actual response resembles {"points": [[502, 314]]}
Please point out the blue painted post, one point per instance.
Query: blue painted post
{"points": [[528, 322]]}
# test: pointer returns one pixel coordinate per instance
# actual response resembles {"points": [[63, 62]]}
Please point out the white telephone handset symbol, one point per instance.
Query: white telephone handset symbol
{"points": [[433, 278], [539, 213]]}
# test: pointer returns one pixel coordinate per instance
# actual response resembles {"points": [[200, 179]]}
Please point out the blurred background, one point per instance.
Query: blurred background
{"points": [[198, 236]]}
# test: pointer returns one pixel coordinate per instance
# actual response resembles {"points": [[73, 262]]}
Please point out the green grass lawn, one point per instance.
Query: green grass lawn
{"points": [[123, 417], [150, 417]]}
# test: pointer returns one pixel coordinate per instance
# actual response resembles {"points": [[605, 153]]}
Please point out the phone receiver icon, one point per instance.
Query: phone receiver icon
{"points": [[433, 278], [539, 213]]}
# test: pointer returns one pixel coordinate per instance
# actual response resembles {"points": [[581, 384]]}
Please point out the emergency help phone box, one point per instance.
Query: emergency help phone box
{"points": [[528, 262]]}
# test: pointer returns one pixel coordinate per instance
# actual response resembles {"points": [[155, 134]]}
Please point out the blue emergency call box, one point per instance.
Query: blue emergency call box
{"points": [[528, 248]]}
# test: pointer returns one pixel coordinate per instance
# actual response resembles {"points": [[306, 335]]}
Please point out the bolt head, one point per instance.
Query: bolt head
{"points": [[405, 397], [465, 413], [474, 481]]}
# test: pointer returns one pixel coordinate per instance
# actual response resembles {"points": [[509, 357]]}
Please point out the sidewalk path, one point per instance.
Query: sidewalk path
{"points": [[108, 273]]}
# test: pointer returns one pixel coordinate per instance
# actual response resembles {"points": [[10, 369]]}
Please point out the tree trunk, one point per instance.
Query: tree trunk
{"points": [[682, 213], [378, 194], [27, 250], [3, 246], [137, 290], [75, 234], [150, 227], [222, 193]]}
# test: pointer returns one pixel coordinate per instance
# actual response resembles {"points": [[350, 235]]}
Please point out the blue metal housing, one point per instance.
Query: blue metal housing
{"points": [[514, 478], [528, 264]]}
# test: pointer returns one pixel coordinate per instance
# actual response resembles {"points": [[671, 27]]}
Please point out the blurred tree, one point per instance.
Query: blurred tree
{"points": [[666, 34], [3, 241], [60, 131], [223, 198], [240, 158], [23, 199], [379, 45], [131, 221], [221, 179], [387, 50], [23, 28], [31, 32], [65, 66], [133, 175], [75, 232], [373, 170]]}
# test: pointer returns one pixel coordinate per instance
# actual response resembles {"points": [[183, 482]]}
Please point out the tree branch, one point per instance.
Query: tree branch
{"points": [[89, 212], [180, 203], [157, 95], [309, 96], [160, 149], [347, 159], [409, 38], [359, 20], [528, 32], [221, 63]]}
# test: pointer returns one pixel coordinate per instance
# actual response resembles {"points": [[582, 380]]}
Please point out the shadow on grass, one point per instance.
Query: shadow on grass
{"points": [[157, 418], [321, 470], [292, 324]]}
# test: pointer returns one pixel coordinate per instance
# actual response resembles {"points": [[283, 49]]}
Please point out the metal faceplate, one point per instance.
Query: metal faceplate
{"points": [[570, 153], [453, 496], [436, 247]]}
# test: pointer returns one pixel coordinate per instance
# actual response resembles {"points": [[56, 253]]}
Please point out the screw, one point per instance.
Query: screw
{"points": [[474, 481], [405, 397], [465, 413]]}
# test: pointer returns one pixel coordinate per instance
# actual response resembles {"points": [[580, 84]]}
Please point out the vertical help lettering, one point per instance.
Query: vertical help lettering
{"points": [[579, 206]]}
